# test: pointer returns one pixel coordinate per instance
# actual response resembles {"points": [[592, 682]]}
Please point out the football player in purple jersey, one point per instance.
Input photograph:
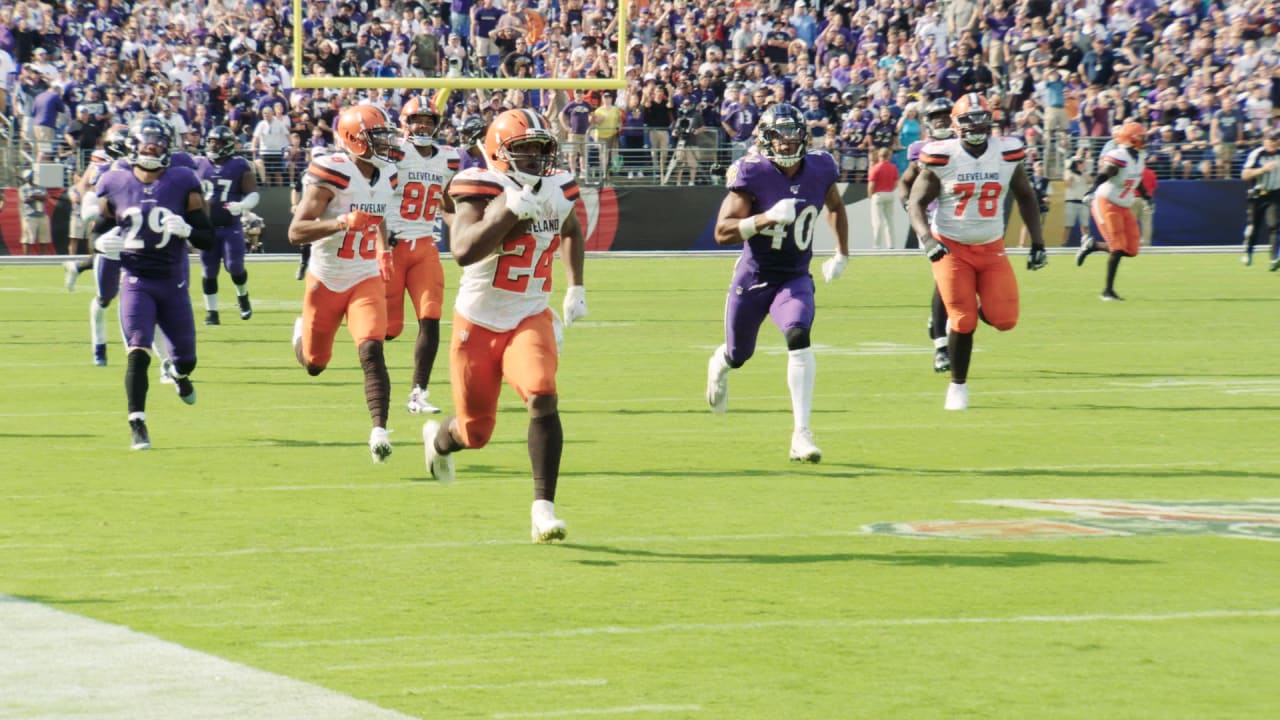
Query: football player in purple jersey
{"points": [[154, 209], [937, 126], [775, 197], [231, 189]]}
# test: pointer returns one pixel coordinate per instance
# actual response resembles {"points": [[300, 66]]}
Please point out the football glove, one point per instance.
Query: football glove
{"points": [[386, 266], [235, 208], [834, 267], [935, 250], [1037, 258], [783, 212], [522, 203], [1087, 199], [110, 243], [174, 225], [575, 304]]}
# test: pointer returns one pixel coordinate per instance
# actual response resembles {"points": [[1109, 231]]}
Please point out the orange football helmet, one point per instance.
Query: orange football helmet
{"points": [[365, 132], [419, 121], [1131, 134], [972, 117], [519, 144]]}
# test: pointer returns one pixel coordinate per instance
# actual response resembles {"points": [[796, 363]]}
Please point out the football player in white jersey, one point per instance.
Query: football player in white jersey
{"points": [[510, 220], [969, 176], [345, 198], [424, 174], [1115, 190]]}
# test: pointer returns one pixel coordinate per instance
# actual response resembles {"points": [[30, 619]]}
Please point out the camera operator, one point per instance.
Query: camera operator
{"points": [[1262, 166], [687, 125]]}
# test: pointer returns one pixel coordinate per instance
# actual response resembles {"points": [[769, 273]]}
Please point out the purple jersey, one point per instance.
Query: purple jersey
{"points": [[467, 160], [140, 210], [782, 251], [913, 150], [222, 184]]}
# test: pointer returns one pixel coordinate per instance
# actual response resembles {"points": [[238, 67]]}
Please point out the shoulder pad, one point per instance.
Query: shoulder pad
{"points": [[936, 153], [330, 170]]}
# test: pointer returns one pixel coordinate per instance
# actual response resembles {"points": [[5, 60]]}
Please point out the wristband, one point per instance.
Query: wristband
{"points": [[747, 227]]}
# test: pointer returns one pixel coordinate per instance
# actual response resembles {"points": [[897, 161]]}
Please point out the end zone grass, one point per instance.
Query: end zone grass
{"points": [[705, 576]]}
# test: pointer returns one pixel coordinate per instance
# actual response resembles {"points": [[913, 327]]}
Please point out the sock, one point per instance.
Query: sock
{"points": [[546, 441], [937, 316], [450, 445], [940, 342], [1113, 264], [135, 380], [84, 264], [721, 357], [424, 351], [97, 323], [377, 382], [242, 289], [960, 347], [241, 281], [802, 366], [161, 346], [211, 303]]}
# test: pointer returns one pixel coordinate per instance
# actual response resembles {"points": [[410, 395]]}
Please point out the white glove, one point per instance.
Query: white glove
{"points": [[834, 267], [110, 243], [783, 212], [89, 207], [235, 208], [176, 226], [575, 304], [1087, 199], [522, 203]]}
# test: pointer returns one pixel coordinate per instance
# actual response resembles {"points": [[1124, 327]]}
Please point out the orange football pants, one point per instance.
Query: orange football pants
{"points": [[418, 271], [970, 273], [479, 360], [363, 305], [1118, 226]]}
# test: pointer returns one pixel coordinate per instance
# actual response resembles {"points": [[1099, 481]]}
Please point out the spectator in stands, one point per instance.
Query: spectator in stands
{"points": [[606, 124], [270, 138]]}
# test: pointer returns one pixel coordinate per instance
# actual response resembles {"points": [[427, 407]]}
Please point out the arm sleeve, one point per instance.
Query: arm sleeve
{"points": [[202, 236]]}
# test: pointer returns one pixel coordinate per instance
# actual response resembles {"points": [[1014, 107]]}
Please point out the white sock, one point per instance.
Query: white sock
{"points": [[801, 369], [211, 303], [137, 416], [162, 347], [97, 323], [940, 342], [242, 290], [721, 357]]}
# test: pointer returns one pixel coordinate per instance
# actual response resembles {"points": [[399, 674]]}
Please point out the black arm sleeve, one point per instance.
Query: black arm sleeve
{"points": [[103, 224], [202, 236]]}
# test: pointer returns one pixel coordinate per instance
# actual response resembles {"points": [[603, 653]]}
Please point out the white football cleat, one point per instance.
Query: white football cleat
{"points": [[440, 464], [718, 382], [166, 372], [957, 397], [418, 404], [803, 447], [379, 445], [297, 336], [546, 527]]}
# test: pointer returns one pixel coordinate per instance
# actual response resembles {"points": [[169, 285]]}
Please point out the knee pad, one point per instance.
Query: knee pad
{"points": [[797, 338], [209, 285], [239, 278], [184, 367]]}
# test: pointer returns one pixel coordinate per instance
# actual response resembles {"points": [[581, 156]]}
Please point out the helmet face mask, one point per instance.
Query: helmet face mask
{"points": [[149, 144], [783, 135], [974, 127], [519, 144], [473, 132], [937, 120], [116, 144], [531, 157], [366, 134], [420, 128], [221, 144]]}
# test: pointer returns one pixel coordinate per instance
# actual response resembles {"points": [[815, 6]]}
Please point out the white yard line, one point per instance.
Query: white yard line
{"points": [[59, 666], [621, 710], [568, 682], [818, 624]]}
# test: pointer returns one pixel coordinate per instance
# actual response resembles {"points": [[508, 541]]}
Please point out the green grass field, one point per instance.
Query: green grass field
{"points": [[704, 575]]}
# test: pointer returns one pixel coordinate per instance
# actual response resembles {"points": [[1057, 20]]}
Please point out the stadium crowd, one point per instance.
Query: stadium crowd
{"points": [[1203, 77]]}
